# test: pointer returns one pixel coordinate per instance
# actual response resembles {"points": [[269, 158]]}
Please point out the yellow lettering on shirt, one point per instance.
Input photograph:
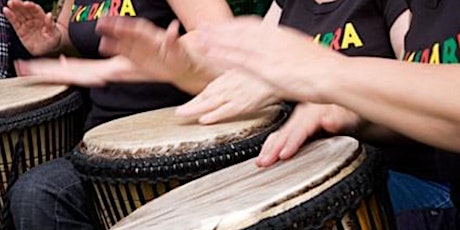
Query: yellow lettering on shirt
{"points": [[350, 36], [99, 11], [127, 8], [434, 59]]}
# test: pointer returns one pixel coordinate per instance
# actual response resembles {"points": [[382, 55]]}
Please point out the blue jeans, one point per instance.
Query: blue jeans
{"points": [[50, 196], [409, 193]]}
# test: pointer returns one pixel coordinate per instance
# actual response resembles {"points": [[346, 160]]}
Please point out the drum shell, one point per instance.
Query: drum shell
{"points": [[32, 137], [119, 186], [323, 187]]}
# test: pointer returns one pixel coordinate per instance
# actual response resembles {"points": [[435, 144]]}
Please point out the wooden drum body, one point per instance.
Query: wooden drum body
{"points": [[37, 123], [330, 184], [134, 159]]}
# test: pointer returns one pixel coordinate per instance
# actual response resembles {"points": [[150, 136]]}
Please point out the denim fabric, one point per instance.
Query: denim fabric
{"points": [[427, 219], [410, 193], [50, 196]]}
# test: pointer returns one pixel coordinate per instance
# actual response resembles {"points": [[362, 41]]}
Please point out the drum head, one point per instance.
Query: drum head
{"points": [[242, 195], [161, 133], [21, 94]]}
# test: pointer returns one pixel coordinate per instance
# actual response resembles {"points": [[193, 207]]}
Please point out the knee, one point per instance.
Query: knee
{"points": [[41, 185]]}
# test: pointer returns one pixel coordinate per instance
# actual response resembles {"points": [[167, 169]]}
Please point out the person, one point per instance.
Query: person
{"points": [[420, 102], [429, 43], [282, 144], [414, 182], [228, 94], [51, 196], [4, 57], [356, 34], [339, 26]]}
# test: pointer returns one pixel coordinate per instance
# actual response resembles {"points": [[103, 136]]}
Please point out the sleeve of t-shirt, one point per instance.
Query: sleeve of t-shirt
{"points": [[392, 9], [280, 3]]}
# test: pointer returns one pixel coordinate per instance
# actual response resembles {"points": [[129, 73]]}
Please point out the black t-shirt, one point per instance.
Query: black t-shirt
{"points": [[353, 27], [434, 37], [364, 26], [118, 100]]}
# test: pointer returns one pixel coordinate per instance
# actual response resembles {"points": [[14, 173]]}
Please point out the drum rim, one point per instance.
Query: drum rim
{"points": [[329, 205], [183, 167], [63, 103]]}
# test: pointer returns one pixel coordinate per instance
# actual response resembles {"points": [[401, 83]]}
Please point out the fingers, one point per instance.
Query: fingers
{"points": [[125, 27], [271, 149], [29, 10], [118, 34], [227, 51], [169, 40], [25, 17], [303, 123], [48, 24], [223, 112], [211, 98], [21, 68], [172, 33], [62, 71], [109, 46], [284, 143], [296, 138], [11, 16], [199, 105], [16, 7]]}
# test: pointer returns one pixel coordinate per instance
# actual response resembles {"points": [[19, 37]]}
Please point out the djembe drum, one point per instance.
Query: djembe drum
{"points": [[330, 184], [37, 123], [132, 160]]}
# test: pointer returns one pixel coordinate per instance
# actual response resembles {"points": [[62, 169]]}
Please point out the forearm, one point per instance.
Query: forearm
{"points": [[192, 13], [64, 45], [416, 100]]}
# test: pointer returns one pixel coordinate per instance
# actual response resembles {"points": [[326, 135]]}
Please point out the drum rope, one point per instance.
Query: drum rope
{"points": [[73, 102]]}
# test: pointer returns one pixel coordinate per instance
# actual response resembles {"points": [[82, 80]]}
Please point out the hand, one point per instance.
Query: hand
{"points": [[227, 96], [306, 120], [155, 51], [36, 30], [82, 72], [284, 57]]}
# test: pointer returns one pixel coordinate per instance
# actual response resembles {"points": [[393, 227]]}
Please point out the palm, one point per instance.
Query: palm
{"points": [[156, 51], [170, 61], [33, 27]]}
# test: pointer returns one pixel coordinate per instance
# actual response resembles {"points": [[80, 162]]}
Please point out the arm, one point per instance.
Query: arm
{"points": [[421, 102], [62, 24], [417, 100], [375, 133], [398, 32], [192, 13]]}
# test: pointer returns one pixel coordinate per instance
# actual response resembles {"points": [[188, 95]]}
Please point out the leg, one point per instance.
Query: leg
{"points": [[50, 196], [408, 192], [420, 204]]}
